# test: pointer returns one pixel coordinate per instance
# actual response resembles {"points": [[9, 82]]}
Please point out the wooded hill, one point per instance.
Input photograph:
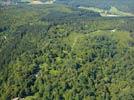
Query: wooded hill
{"points": [[55, 52]]}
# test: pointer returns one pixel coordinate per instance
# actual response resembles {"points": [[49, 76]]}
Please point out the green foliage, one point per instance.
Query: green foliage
{"points": [[47, 53], [105, 4]]}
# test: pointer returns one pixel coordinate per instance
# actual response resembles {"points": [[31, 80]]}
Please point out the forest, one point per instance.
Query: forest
{"points": [[56, 52], [123, 5]]}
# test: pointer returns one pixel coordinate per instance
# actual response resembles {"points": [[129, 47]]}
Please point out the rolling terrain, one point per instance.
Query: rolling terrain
{"points": [[112, 12], [61, 52], [123, 5]]}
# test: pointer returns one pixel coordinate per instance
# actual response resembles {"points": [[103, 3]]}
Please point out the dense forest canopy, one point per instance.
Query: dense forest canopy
{"points": [[57, 52]]}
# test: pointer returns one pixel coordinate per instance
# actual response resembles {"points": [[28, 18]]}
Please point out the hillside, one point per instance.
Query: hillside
{"points": [[124, 5], [112, 12], [55, 52]]}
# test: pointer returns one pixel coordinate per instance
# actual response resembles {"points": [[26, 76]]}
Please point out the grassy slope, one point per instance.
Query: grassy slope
{"points": [[123, 5], [112, 11]]}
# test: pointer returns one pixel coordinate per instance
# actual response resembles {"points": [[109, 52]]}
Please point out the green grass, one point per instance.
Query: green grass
{"points": [[112, 11]]}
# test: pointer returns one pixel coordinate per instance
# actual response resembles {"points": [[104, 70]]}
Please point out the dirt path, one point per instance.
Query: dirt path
{"points": [[75, 41]]}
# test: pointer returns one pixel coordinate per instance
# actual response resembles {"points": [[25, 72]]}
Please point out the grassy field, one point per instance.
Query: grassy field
{"points": [[113, 12]]}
